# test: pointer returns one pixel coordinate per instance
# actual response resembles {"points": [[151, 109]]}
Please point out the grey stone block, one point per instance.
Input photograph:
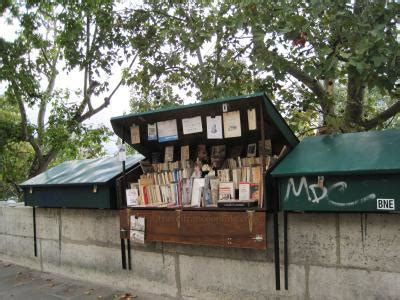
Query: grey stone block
{"points": [[48, 223], [336, 283], [151, 272], [233, 253], [370, 241], [209, 278], [16, 221], [94, 226], [16, 246], [311, 238], [49, 253]]}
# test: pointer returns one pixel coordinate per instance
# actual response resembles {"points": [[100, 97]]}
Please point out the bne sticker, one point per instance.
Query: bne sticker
{"points": [[385, 204]]}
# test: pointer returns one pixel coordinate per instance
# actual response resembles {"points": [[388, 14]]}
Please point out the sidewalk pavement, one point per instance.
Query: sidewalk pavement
{"points": [[17, 282]]}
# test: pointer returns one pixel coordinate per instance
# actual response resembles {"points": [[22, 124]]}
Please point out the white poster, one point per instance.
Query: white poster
{"points": [[214, 127], [169, 154], [137, 230], [132, 196], [152, 132], [192, 125], [137, 237], [137, 223], [251, 116], [135, 134], [122, 153], [232, 126], [167, 131]]}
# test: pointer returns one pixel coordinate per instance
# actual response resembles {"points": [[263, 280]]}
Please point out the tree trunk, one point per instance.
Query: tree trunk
{"points": [[355, 97], [40, 164], [327, 106]]}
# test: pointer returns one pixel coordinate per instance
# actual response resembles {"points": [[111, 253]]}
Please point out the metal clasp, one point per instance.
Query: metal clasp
{"points": [[178, 218], [123, 233], [321, 180], [258, 238], [250, 216]]}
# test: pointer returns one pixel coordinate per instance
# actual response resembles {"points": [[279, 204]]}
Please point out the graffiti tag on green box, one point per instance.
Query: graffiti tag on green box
{"points": [[341, 193]]}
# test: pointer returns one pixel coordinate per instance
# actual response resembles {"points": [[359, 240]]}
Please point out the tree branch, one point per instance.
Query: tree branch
{"points": [[107, 99], [45, 57], [199, 57], [289, 67], [87, 64], [162, 13], [44, 100], [217, 59], [88, 86], [302, 76], [383, 116]]}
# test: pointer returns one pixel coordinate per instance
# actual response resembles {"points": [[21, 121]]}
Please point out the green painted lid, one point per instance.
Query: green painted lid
{"points": [[275, 125], [350, 153], [82, 172]]}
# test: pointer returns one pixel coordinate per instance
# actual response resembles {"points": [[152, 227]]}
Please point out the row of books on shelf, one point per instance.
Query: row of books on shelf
{"points": [[194, 192], [197, 185]]}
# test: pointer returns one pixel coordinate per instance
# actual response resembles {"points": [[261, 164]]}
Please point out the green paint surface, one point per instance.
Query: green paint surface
{"points": [[71, 184], [341, 193], [71, 197], [373, 152], [78, 172]]}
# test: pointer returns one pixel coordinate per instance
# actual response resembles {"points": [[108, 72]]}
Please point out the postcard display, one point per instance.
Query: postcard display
{"points": [[203, 179]]}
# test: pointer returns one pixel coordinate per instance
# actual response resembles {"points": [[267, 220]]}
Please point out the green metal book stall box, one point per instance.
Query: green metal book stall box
{"points": [[354, 172], [88, 183]]}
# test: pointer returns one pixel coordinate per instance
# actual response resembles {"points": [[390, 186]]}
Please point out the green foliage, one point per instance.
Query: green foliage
{"points": [[292, 49], [15, 159], [14, 155], [9, 123], [88, 144], [154, 100]]}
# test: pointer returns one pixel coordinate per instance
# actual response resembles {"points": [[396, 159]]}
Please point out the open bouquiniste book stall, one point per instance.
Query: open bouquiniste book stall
{"points": [[204, 179]]}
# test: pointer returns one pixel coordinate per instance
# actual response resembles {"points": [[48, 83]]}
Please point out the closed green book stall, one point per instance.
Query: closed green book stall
{"points": [[353, 172], [88, 183]]}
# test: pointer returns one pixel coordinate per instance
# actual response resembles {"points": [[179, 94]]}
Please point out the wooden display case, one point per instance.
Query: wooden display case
{"points": [[226, 227]]}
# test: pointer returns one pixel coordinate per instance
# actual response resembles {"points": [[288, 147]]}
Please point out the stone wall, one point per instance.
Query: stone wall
{"points": [[332, 256]]}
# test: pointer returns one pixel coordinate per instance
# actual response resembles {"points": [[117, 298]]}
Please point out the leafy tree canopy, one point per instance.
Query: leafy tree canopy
{"points": [[320, 59]]}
